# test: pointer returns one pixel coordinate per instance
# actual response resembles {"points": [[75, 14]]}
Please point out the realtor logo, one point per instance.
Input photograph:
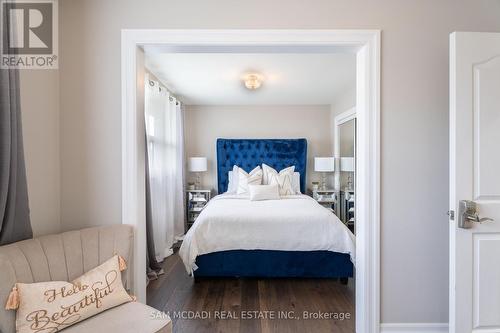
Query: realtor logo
{"points": [[29, 34]]}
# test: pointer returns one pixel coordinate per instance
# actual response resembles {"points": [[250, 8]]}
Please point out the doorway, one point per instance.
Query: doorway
{"points": [[366, 46]]}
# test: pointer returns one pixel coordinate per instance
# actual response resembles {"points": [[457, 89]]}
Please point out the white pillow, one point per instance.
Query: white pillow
{"points": [[232, 185], [245, 179], [296, 182], [284, 179], [264, 192]]}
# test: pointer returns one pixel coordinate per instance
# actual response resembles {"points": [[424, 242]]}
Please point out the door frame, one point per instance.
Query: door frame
{"points": [[366, 44]]}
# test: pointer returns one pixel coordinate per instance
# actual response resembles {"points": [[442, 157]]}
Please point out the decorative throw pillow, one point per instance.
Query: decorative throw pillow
{"points": [[264, 192], [232, 176], [267, 172], [284, 179], [296, 182], [52, 306], [245, 179]]}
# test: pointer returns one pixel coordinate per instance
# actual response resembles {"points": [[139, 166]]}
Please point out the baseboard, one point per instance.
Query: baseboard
{"points": [[414, 328]]}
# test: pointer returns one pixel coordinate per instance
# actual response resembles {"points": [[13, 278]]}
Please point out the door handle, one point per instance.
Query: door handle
{"points": [[467, 214]]}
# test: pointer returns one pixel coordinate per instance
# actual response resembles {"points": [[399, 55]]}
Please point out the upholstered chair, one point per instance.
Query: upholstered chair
{"points": [[66, 256]]}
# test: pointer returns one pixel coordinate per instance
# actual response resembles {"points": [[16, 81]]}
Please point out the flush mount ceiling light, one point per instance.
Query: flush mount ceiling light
{"points": [[253, 81]]}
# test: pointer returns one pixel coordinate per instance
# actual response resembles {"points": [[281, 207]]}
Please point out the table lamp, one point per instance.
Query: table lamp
{"points": [[347, 165], [197, 165], [324, 165]]}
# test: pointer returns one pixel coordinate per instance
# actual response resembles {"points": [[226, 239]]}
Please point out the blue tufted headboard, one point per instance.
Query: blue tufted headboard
{"points": [[248, 153]]}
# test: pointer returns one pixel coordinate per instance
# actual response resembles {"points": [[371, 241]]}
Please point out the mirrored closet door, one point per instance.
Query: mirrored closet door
{"points": [[346, 171]]}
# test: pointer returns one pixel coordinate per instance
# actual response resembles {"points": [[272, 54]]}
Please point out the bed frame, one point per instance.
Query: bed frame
{"points": [[277, 153]]}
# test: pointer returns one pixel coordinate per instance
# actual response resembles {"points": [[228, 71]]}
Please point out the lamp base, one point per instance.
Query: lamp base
{"points": [[197, 183], [349, 183], [323, 181]]}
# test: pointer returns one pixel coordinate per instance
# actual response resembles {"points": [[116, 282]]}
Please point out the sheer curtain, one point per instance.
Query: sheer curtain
{"points": [[165, 150]]}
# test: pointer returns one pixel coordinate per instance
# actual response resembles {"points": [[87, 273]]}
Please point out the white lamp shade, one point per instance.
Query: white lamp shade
{"points": [[324, 164], [347, 164], [197, 164]]}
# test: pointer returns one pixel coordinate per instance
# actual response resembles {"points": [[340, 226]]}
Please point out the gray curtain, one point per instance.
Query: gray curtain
{"points": [[14, 208]]}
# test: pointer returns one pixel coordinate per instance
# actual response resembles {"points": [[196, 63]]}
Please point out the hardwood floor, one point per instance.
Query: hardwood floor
{"points": [[251, 305]]}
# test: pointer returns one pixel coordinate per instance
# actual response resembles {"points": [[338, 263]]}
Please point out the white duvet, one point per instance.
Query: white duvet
{"points": [[294, 223]]}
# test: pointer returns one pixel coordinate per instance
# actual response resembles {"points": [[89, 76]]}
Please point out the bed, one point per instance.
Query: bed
{"points": [[291, 237]]}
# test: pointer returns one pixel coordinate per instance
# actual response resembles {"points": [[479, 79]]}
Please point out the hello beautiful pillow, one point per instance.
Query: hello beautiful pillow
{"points": [[55, 305]]}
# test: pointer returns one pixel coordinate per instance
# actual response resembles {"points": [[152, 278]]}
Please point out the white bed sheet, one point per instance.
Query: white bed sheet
{"points": [[294, 223]]}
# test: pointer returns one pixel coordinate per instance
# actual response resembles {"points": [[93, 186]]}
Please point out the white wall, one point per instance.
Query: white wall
{"points": [[205, 124], [40, 116], [414, 106], [344, 103]]}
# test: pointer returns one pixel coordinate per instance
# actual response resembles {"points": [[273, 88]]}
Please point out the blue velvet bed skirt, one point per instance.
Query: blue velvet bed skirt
{"points": [[274, 264]]}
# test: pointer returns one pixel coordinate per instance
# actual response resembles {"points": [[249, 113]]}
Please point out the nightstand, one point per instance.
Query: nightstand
{"points": [[326, 198], [348, 202], [196, 200]]}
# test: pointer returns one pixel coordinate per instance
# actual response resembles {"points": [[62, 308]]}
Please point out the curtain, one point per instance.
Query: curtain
{"points": [[14, 208], [165, 150], [153, 267]]}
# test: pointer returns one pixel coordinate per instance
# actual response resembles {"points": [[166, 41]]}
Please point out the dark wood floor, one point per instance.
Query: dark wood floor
{"points": [[240, 300]]}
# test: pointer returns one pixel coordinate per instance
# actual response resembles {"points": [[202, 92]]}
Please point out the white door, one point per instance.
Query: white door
{"points": [[475, 176]]}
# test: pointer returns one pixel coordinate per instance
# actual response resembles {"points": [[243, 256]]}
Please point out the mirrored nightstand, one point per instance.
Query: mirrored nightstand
{"points": [[326, 198], [196, 200], [347, 199]]}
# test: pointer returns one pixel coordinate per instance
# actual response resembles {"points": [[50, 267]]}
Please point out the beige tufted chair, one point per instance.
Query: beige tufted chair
{"points": [[66, 256]]}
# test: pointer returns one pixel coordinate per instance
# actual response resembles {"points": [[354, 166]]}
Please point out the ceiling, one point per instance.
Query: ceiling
{"points": [[289, 78]]}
